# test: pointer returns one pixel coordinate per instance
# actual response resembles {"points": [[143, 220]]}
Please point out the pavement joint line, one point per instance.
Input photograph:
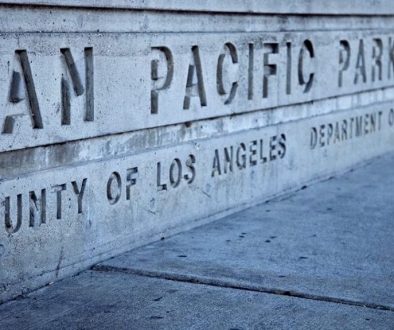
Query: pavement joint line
{"points": [[215, 282]]}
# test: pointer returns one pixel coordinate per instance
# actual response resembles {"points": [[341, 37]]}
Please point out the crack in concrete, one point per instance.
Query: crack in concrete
{"points": [[238, 285]]}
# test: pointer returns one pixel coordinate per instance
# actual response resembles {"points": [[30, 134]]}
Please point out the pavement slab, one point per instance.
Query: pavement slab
{"points": [[332, 241], [111, 300]]}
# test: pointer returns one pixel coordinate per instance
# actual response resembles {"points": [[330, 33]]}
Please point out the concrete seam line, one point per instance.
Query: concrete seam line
{"points": [[193, 279]]}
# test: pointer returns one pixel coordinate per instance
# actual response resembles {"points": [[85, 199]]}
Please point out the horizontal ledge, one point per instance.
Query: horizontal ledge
{"points": [[295, 7]]}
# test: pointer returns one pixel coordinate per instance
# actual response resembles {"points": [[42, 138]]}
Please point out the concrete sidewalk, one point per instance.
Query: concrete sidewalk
{"points": [[320, 258]]}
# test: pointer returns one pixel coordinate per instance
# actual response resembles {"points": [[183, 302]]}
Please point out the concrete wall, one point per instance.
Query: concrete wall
{"points": [[125, 123]]}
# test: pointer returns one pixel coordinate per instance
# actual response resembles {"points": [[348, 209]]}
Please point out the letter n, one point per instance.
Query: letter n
{"points": [[77, 85]]}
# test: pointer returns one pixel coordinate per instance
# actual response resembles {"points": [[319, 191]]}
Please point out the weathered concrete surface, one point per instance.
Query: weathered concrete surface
{"points": [[82, 19], [74, 153], [330, 246], [102, 72], [333, 239], [334, 7], [96, 300], [231, 70], [133, 120], [57, 221]]}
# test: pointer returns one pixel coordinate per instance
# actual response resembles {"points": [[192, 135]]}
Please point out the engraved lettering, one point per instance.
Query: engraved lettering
{"points": [[288, 67], [336, 133], [190, 161], [247, 155], [391, 117], [250, 71], [216, 164], [262, 157], [282, 146], [175, 172], [37, 205], [330, 131], [345, 129], [344, 60], [359, 125], [15, 88], [313, 140], [114, 188], [131, 180], [229, 49], [77, 85], [241, 156], [195, 88], [10, 227], [322, 135], [79, 192], [360, 64], [58, 189], [273, 143], [307, 47], [377, 52], [253, 153], [160, 185], [228, 159], [391, 57], [15, 97], [269, 68], [157, 77]]}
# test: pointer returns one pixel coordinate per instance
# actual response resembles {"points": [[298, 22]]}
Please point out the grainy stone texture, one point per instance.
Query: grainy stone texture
{"points": [[102, 100], [333, 239], [336, 7], [328, 245], [130, 200], [124, 122], [96, 300]]}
